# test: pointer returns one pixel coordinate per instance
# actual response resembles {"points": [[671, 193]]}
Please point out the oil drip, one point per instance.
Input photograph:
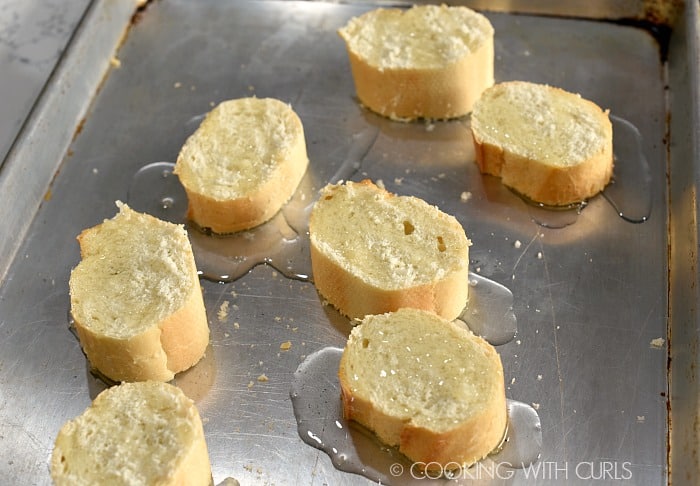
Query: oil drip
{"points": [[629, 191]]}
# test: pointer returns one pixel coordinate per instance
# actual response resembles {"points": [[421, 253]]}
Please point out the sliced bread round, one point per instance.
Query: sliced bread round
{"points": [[146, 433], [424, 62], [547, 144], [242, 164], [136, 300], [426, 385], [374, 252]]}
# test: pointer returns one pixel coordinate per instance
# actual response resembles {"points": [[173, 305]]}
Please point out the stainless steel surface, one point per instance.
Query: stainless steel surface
{"points": [[33, 34], [37, 151], [684, 73], [590, 298]]}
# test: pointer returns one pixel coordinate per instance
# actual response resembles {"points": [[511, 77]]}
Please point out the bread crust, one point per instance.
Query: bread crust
{"points": [[467, 442], [170, 346], [73, 453], [541, 182], [255, 207], [409, 94], [355, 298], [413, 92], [177, 343]]}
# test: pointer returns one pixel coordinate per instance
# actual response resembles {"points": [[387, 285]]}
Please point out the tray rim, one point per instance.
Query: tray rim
{"points": [[64, 103]]}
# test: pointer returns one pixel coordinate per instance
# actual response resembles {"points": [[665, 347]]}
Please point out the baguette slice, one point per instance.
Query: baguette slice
{"points": [[374, 252], [547, 144], [426, 385], [145, 433], [136, 299], [242, 164], [425, 62]]}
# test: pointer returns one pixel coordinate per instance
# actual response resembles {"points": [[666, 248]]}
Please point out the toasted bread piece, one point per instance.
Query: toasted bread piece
{"points": [[426, 385], [136, 299], [549, 145], [373, 252], [242, 164], [428, 61], [145, 433]]}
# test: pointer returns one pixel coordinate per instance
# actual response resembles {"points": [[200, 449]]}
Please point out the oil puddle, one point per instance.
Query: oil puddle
{"points": [[315, 394], [489, 311]]}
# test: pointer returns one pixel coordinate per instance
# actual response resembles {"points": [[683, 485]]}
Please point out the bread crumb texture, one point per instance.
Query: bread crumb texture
{"points": [[425, 37], [540, 122], [237, 146], [144, 433], [386, 240], [133, 273], [435, 381]]}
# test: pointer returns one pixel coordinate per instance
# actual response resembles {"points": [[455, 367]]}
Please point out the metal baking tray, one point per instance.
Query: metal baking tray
{"points": [[605, 296]]}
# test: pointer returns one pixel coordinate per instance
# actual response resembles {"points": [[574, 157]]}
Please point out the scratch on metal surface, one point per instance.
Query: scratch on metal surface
{"points": [[524, 251], [556, 350]]}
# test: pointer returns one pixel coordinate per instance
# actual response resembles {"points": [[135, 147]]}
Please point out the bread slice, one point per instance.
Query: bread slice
{"points": [[426, 385], [242, 164], [428, 61], [547, 144], [374, 252], [136, 299], [145, 433]]}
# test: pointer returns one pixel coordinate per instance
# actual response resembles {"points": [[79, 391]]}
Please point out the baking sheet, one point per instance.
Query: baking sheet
{"points": [[591, 297]]}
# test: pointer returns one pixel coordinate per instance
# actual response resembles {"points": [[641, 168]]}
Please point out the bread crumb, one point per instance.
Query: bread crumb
{"points": [[641, 418], [512, 381], [536, 406], [115, 62], [177, 85], [250, 384], [657, 343], [236, 325], [278, 318], [263, 378], [227, 335], [518, 342], [398, 181], [539, 377], [380, 183], [517, 244], [286, 346], [539, 255], [465, 196], [222, 314]]}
